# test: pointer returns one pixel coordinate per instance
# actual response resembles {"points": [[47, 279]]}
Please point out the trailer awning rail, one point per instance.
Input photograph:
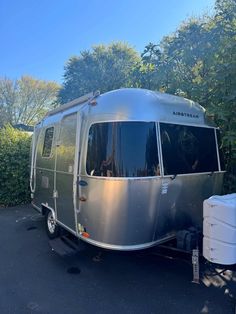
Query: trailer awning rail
{"points": [[75, 102]]}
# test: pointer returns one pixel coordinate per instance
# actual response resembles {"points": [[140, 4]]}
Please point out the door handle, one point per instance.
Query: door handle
{"points": [[82, 183]]}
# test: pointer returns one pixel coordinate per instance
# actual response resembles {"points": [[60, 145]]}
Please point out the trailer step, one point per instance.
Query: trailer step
{"points": [[65, 246]]}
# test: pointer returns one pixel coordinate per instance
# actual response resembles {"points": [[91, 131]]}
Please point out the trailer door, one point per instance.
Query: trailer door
{"points": [[65, 168]]}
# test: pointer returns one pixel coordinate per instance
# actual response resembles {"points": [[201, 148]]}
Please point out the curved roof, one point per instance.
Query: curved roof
{"points": [[133, 104], [146, 105]]}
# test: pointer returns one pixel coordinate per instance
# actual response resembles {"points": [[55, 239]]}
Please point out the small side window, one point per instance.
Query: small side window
{"points": [[47, 145]]}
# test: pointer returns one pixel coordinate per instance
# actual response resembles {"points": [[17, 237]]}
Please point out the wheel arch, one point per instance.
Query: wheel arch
{"points": [[45, 208]]}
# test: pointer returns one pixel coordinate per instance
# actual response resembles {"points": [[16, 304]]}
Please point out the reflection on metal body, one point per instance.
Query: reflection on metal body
{"points": [[123, 213]]}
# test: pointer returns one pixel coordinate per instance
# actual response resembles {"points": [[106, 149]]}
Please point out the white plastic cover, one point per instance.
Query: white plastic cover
{"points": [[222, 208], [216, 229], [219, 252], [219, 229]]}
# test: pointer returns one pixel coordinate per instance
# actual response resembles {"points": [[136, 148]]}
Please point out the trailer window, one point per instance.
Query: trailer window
{"points": [[122, 149], [47, 145], [188, 149]]}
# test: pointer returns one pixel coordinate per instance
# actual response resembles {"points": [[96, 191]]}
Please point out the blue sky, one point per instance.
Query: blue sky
{"points": [[38, 37]]}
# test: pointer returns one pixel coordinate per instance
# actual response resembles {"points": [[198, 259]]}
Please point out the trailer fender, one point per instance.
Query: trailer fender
{"points": [[45, 208]]}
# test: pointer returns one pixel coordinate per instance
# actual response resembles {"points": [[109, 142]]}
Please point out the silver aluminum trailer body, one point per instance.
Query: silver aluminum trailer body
{"points": [[127, 169]]}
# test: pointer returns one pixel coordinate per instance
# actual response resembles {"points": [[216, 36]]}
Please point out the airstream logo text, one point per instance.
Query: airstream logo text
{"points": [[185, 114]]}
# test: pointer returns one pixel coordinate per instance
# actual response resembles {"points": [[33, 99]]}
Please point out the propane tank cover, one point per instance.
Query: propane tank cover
{"points": [[219, 229], [222, 208]]}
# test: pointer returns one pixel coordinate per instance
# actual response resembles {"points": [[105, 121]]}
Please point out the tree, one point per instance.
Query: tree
{"points": [[103, 68], [8, 91], [146, 72], [223, 103], [198, 61], [25, 100]]}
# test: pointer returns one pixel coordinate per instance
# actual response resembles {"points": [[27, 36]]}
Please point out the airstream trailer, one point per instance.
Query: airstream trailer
{"points": [[124, 170]]}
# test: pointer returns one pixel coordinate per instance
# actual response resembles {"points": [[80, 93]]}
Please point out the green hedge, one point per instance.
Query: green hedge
{"points": [[14, 166]]}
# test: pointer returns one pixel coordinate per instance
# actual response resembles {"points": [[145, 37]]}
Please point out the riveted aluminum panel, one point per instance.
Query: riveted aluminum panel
{"points": [[44, 187], [121, 211], [65, 155], [181, 201], [130, 212]]}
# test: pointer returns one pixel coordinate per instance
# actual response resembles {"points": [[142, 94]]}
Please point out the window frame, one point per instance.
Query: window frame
{"points": [[189, 125], [51, 150], [221, 161], [120, 178], [159, 150]]}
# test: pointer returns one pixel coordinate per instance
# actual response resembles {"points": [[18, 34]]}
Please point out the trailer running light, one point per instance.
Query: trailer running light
{"points": [[93, 102], [85, 234]]}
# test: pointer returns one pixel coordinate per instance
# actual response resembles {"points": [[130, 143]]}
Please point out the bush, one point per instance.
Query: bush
{"points": [[14, 166]]}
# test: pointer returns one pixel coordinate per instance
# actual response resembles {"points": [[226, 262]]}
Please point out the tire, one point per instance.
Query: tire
{"points": [[52, 229]]}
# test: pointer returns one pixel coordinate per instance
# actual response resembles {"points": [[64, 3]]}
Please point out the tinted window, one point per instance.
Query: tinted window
{"points": [[122, 149], [188, 149], [47, 145]]}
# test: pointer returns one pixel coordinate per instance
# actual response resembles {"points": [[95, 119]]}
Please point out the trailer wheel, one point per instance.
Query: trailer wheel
{"points": [[52, 229]]}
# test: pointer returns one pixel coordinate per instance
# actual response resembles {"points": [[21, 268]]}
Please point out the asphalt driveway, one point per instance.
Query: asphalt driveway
{"points": [[34, 279]]}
